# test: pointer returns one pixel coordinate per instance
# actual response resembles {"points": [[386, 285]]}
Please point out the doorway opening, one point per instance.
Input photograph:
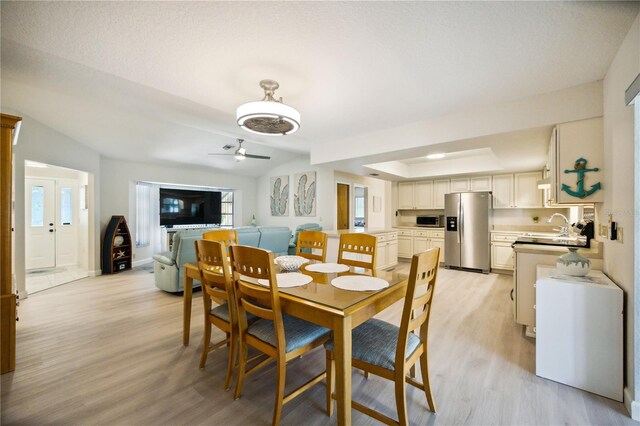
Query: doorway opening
{"points": [[56, 226], [359, 206]]}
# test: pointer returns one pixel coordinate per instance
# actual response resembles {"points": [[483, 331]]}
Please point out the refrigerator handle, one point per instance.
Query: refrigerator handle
{"points": [[460, 221]]}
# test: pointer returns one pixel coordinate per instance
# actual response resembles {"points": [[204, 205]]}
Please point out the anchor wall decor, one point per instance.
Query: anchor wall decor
{"points": [[580, 168]]}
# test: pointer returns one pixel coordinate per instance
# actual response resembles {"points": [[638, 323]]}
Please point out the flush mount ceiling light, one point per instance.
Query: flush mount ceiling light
{"points": [[268, 116], [435, 156]]}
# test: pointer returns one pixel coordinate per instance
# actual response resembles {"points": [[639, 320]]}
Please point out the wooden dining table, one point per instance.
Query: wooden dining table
{"points": [[321, 303]]}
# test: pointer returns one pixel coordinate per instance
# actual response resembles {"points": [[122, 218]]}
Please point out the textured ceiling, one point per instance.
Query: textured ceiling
{"points": [[171, 74]]}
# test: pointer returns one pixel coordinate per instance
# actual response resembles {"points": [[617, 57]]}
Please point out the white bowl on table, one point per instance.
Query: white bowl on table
{"points": [[290, 263]]}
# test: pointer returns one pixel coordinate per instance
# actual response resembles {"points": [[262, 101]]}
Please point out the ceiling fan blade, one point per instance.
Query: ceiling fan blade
{"points": [[215, 153], [259, 157]]}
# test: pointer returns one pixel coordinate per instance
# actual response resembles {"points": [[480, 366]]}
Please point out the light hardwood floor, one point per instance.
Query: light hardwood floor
{"points": [[108, 350]]}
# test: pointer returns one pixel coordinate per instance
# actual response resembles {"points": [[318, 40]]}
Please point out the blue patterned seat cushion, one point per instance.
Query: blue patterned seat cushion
{"points": [[376, 341], [222, 312], [297, 332]]}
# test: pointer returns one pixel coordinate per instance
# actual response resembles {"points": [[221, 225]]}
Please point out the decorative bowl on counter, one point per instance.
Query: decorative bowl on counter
{"points": [[573, 264], [290, 263]]}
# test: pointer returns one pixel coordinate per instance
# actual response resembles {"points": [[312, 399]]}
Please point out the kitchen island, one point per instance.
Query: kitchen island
{"points": [[527, 258]]}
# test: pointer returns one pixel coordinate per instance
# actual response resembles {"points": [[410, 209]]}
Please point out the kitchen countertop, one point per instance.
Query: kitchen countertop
{"points": [[594, 252], [372, 231], [549, 241], [422, 228]]}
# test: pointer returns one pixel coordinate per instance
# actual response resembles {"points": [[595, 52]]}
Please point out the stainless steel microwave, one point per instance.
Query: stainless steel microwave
{"points": [[433, 221]]}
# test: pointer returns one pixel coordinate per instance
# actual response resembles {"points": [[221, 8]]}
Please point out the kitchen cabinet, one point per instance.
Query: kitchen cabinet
{"points": [[387, 250], [519, 190], [424, 240], [524, 291], [501, 251], [460, 185], [576, 150], [405, 243], [501, 256], [405, 195], [440, 188], [526, 193], [422, 195], [480, 184]]}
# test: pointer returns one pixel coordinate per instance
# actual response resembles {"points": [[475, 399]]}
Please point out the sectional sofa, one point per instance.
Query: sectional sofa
{"points": [[167, 266]]}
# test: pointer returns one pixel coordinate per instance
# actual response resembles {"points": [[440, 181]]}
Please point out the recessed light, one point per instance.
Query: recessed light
{"points": [[435, 156]]}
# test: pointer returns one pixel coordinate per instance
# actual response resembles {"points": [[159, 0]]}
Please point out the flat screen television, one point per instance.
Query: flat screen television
{"points": [[188, 207]]}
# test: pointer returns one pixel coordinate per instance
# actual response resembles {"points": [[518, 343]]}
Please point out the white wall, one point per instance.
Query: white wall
{"points": [[548, 109], [375, 188], [40, 143], [325, 200], [326, 180], [117, 192], [619, 200]]}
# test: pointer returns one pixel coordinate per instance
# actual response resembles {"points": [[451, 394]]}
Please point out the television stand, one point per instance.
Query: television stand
{"points": [[166, 234]]}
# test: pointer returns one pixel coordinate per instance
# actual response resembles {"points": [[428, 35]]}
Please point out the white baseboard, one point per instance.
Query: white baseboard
{"points": [[141, 262], [633, 407], [22, 294]]}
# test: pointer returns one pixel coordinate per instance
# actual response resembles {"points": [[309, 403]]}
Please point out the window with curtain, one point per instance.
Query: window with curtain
{"points": [[143, 214], [227, 209]]}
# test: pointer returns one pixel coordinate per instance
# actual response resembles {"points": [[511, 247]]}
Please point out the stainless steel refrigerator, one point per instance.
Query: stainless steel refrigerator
{"points": [[466, 237]]}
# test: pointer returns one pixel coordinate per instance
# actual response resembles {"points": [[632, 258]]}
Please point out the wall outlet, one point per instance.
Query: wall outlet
{"points": [[619, 235]]}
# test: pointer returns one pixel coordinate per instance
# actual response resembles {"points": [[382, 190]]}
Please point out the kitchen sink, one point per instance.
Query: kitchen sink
{"points": [[548, 238], [541, 235]]}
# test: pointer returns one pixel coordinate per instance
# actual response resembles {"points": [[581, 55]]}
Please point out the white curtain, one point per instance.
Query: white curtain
{"points": [[143, 214]]}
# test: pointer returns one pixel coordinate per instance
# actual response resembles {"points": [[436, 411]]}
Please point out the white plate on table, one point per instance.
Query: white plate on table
{"points": [[327, 268], [359, 283], [288, 279]]}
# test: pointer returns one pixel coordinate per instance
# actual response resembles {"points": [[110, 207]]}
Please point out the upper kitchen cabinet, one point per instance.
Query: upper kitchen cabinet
{"points": [[405, 195], [576, 159], [460, 185], [474, 184], [422, 195], [440, 189], [517, 191], [480, 183]]}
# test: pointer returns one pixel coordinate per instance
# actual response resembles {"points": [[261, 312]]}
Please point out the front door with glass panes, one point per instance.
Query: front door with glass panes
{"points": [[51, 230]]}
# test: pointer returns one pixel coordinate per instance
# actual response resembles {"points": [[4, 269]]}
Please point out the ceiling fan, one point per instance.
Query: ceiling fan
{"points": [[241, 153]]}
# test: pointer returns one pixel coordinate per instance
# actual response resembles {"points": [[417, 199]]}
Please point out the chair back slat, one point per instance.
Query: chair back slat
{"points": [[310, 243], [227, 237], [257, 310], [257, 263], [417, 309], [358, 244]]}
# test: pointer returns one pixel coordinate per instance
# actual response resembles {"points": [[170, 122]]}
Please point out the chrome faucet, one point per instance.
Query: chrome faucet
{"points": [[564, 230]]}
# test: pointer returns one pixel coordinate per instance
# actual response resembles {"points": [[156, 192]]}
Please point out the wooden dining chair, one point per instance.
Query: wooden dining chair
{"points": [[357, 249], [391, 352], [310, 242], [217, 283], [225, 236], [279, 336]]}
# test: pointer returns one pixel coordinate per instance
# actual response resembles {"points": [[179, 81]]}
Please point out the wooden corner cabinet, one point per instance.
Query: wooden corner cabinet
{"points": [[117, 248]]}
